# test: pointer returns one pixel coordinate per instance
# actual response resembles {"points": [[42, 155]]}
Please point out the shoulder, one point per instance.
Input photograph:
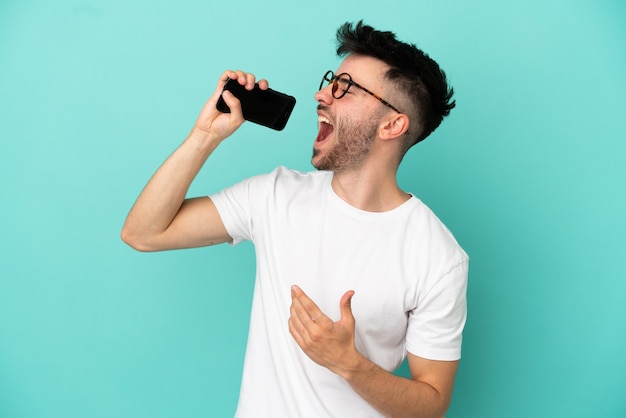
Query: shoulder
{"points": [[432, 230]]}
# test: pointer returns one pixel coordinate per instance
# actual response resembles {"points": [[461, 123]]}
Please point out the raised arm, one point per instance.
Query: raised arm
{"points": [[163, 218]]}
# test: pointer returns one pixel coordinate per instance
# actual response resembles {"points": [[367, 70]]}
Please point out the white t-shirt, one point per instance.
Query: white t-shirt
{"points": [[408, 273]]}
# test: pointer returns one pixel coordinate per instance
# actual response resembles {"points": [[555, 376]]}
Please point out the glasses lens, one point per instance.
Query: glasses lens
{"points": [[327, 79], [341, 85]]}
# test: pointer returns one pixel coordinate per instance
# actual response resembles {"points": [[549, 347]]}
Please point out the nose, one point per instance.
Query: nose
{"points": [[324, 95]]}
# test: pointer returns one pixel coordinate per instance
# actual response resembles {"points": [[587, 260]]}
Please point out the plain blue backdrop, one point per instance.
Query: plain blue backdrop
{"points": [[529, 172]]}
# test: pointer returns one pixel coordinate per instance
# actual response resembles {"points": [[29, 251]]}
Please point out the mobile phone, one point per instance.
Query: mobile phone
{"points": [[269, 107]]}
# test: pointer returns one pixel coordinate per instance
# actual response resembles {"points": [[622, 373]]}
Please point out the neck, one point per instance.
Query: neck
{"points": [[369, 190]]}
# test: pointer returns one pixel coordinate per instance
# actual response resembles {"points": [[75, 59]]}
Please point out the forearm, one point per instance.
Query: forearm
{"points": [[392, 395], [163, 196]]}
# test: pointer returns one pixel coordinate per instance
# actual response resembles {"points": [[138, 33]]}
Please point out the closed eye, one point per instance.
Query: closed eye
{"points": [[343, 85]]}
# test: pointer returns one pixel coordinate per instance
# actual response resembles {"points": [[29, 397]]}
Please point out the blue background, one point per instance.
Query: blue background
{"points": [[528, 172]]}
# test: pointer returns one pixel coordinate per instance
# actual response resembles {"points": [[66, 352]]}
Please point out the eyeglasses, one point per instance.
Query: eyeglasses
{"points": [[341, 84]]}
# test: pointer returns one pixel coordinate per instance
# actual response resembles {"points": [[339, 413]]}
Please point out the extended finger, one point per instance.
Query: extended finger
{"points": [[303, 319], [304, 306], [295, 333], [296, 327]]}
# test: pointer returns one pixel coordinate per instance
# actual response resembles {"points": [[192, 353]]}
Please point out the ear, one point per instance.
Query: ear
{"points": [[394, 126]]}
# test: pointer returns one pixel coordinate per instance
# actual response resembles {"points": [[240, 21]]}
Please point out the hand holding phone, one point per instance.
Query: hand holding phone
{"points": [[268, 107]]}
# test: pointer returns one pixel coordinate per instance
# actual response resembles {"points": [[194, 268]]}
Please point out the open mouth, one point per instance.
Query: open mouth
{"points": [[325, 129]]}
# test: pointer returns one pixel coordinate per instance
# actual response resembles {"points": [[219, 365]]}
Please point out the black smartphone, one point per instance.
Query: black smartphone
{"points": [[269, 107]]}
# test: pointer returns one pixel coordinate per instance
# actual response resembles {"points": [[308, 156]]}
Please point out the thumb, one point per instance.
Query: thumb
{"points": [[345, 305]]}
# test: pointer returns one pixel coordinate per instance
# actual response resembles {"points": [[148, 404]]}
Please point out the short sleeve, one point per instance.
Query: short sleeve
{"points": [[436, 325], [233, 205]]}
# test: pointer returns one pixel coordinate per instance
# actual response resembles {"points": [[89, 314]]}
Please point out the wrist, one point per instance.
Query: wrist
{"points": [[203, 139], [354, 366]]}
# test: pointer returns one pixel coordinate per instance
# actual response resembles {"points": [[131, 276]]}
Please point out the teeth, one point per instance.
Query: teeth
{"points": [[323, 119]]}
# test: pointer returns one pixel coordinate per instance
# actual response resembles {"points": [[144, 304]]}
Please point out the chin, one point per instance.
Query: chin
{"points": [[317, 165], [316, 161]]}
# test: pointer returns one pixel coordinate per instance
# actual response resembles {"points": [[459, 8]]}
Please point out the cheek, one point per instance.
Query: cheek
{"points": [[361, 129]]}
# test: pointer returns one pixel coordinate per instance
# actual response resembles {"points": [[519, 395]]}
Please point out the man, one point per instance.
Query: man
{"points": [[353, 273]]}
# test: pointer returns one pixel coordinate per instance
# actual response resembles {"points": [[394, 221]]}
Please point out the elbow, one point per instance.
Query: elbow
{"points": [[135, 241]]}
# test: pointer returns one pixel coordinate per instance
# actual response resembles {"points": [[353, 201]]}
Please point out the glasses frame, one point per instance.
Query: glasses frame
{"points": [[333, 79]]}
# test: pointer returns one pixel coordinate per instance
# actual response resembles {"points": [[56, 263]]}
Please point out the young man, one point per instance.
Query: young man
{"points": [[353, 273]]}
